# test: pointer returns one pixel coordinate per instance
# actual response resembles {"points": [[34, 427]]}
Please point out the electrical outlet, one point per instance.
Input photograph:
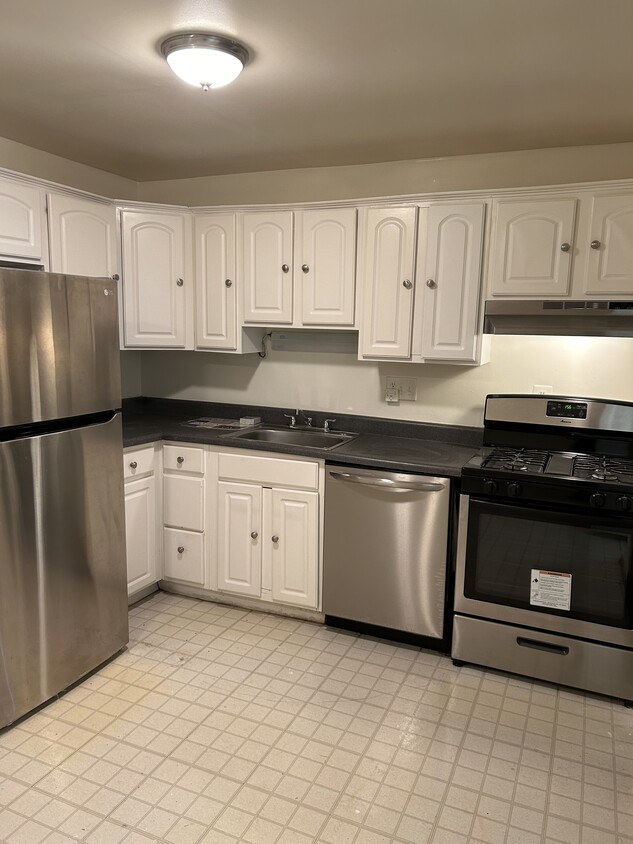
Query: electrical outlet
{"points": [[392, 396], [407, 387], [542, 389]]}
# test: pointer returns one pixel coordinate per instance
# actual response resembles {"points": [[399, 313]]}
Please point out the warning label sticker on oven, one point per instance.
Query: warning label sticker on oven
{"points": [[550, 589]]}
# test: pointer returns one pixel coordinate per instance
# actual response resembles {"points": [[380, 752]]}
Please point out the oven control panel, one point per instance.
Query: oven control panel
{"points": [[567, 409]]}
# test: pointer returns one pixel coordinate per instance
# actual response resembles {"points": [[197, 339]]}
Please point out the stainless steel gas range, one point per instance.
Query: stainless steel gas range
{"points": [[544, 580]]}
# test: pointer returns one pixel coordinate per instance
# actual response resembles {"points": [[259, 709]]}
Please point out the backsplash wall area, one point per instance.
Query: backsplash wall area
{"points": [[582, 366]]}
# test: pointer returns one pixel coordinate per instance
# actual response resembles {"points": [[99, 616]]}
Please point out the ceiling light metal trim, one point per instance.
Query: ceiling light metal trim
{"points": [[186, 41]]}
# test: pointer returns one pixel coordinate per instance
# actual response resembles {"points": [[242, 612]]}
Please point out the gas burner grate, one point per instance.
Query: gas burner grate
{"points": [[517, 460], [599, 468]]}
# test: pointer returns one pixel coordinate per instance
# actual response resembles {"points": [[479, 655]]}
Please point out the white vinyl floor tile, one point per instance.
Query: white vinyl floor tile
{"points": [[220, 725]]}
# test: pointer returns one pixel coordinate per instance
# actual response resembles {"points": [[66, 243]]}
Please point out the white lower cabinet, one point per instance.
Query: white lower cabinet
{"points": [[268, 543], [294, 538], [141, 520], [184, 511]]}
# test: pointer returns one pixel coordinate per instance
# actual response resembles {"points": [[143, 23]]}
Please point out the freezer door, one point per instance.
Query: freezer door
{"points": [[59, 346], [63, 596]]}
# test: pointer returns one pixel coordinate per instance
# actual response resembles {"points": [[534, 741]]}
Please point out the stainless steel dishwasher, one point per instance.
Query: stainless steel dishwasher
{"points": [[385, 550]]}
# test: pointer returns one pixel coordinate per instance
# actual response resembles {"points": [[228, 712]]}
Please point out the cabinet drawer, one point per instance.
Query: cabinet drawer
{"points": [[183, 458], [269, 470], [184, 556], [138, 462], [183, 502]]}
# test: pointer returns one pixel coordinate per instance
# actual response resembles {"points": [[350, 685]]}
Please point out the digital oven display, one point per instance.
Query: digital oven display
{"points": [[567, 410]]}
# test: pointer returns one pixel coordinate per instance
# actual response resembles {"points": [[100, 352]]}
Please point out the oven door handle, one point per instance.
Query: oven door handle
{"points": [[387, 483], [560, 650]]}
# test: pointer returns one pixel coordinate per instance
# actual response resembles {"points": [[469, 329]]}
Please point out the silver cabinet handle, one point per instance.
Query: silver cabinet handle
{"points": [[387, 483], [565, 247], [115, 276], [431, 283], [595, 244], [275, 538], [408, 284], [285, 268], [254, 534], [179, 282], [228, 283], [181, 549], [305, 268], [133, 464], [180, 460]]}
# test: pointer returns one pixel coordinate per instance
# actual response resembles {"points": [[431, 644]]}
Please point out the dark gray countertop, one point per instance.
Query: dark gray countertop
{"points": [[394, 445]]}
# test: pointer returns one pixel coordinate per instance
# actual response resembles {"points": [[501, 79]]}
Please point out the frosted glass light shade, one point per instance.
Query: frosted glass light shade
{"points": [[206, 61]]}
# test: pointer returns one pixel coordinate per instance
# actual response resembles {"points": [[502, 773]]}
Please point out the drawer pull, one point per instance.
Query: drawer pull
{"points": [[181, 549], [275, 539], [548, 647], [254, 534], [133, 464], [180, 460]]}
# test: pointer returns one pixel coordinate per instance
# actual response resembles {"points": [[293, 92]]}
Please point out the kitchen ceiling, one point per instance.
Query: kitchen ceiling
{"points": [[330, 82]]}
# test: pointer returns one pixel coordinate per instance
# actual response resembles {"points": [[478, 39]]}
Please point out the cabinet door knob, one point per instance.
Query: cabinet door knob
{"points": [[305, 268], [595, 244], [285, 268], [115, 276], [408, 284], [181, 549], [254, 534], [179, 282], [180, 460], [431, 283], [228, 283], [275, 538], [565, 247], [133, 464]]}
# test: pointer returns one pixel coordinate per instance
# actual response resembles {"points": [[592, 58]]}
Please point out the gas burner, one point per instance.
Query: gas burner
{"points": [[600, 468], [517, 460]]}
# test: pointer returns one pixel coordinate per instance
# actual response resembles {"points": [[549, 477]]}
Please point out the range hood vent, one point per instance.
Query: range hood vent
{"points": [[563, 318]]}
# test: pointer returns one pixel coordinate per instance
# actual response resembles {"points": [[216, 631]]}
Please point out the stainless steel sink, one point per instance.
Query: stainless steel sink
{"points": [[306, 437]]}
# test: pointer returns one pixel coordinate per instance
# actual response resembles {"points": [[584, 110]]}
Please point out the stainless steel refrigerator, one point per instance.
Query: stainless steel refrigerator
{"points": [[63, 598]]}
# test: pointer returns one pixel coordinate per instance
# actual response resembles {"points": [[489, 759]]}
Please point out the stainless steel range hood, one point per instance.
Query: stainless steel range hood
{"points": [[560, 317]]}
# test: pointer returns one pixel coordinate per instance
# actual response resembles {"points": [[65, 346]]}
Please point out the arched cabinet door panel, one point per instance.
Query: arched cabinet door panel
{"points": [[532, 247]]}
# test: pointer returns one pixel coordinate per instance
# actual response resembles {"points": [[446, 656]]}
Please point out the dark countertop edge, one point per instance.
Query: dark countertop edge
{"points": [[464, 435]]}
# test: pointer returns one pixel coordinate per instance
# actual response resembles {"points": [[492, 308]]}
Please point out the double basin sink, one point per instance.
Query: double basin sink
{"points": [[305, 437]]}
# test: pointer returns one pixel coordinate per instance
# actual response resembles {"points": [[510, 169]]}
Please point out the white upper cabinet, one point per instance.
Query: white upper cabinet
{"points": [[216, 284], [386, 268], [156, 282], [266, 262], [532, 247], [21, 208], [609, 265], [449, 281], [325, 258], [82, 236]]}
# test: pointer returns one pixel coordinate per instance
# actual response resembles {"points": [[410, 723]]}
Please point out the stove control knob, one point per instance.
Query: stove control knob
{"points": [[514, 490], [597, 499], [624, 502], [491, 486]]}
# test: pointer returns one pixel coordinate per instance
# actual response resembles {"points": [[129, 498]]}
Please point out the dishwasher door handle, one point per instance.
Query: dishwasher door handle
{"points": [[387, 483]]}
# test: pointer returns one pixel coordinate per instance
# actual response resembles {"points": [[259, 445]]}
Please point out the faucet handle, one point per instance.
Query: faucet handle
{"points": [[292, 417], [326, 425]]}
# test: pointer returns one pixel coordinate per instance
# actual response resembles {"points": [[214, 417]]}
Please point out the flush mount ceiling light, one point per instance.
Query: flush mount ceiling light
{"points": [[204, 60]]}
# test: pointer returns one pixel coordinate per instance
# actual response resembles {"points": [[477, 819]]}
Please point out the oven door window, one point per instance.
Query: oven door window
{"points": [[507, 544]]}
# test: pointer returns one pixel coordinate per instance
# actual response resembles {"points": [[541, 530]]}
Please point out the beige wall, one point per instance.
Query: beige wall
{"points": [[43, 165], [467, 172], [131, 374], [446, 394]]}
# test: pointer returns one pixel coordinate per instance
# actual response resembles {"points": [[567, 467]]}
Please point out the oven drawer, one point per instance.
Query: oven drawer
{"points": [[544, 656]]}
